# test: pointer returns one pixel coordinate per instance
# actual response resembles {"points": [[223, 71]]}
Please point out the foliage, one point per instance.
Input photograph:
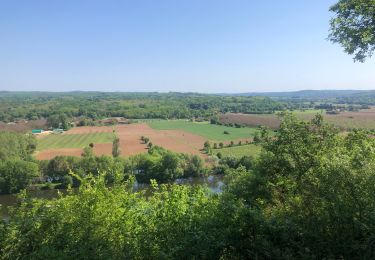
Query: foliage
{"points": [[312, 185], [158, 163], [17, 168], [60, 108], [163, 165], [153, 228], [88, 152], [145, 139], [207, 147], [19, 146], [354, 27], [228, 163], [59, 121], [66, 181], [60, 167], [16, 175], [116, 151]]}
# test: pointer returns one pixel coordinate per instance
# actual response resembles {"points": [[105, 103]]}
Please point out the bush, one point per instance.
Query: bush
{"points": [[66, 181], [16, 175], [47, 186]]}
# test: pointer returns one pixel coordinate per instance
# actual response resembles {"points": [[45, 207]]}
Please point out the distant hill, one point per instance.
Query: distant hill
{"points": [[347, 96], [315, 94]]}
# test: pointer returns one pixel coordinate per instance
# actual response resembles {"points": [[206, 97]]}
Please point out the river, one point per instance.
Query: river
{"points": [[213, 182]]}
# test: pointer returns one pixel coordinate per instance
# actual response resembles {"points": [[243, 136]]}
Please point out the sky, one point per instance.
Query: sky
{"points": [[208, 46]]}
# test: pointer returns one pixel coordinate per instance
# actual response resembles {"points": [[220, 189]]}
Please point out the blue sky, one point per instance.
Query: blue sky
{"points": [[173, 45]]}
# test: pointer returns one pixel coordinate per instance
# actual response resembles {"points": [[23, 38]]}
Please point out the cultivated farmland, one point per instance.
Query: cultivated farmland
{"points": [[348, 120], [72, 142], [175, 140], [345, 120], [56, 141], [204, 129], [176, 135]]}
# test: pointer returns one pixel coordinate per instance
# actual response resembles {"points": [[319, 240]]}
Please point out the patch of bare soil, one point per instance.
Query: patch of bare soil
{"points": [[52, 153]]}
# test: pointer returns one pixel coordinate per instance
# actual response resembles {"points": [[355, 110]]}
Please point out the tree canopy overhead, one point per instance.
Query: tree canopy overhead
{"points": [[353, 26]]}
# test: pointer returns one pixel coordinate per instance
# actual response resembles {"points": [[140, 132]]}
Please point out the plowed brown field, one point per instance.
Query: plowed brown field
{"points": [[175, 140]]}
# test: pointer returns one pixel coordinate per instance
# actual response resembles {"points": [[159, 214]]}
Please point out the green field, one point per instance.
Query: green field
{"points": [[55, 141], [204, 129], [239, 151]]}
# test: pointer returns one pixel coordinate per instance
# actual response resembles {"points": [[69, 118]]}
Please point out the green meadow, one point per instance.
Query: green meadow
{"points": [[55, 141]]}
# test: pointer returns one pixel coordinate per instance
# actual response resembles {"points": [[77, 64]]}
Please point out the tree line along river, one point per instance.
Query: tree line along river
{"points": [[213, 182]]}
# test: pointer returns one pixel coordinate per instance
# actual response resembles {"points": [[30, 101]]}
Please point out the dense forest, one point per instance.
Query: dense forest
{"points": [[309, 195], [302, 98], [95, 105], [62, 108]]}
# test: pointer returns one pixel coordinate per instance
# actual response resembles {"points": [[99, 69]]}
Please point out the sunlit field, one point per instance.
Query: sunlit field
{"points": [[204, 129], [55, 141]]}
